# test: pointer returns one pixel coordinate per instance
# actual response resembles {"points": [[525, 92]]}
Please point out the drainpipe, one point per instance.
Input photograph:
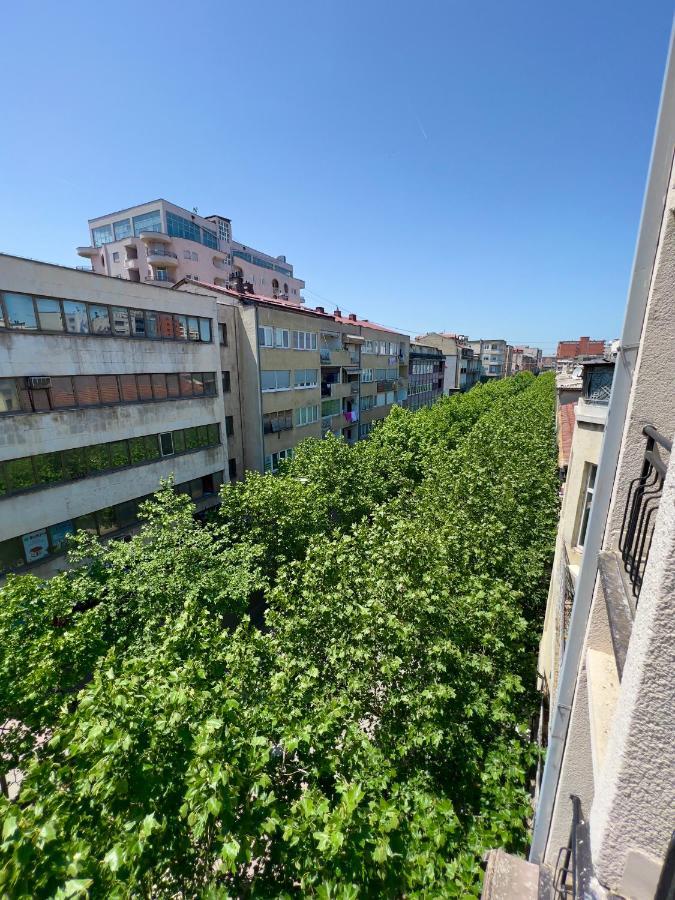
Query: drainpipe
{"points": [[638, 293]]}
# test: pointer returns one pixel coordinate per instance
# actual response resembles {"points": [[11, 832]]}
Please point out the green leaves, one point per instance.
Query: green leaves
{"points": [[368, 740]]}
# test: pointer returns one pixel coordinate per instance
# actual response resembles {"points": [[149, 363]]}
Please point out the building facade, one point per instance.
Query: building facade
{"points": [[426, 372], [605, 807], [462, 367], [161, 243], [106, 387], [583, 347], [493, 355], [523, 359]]}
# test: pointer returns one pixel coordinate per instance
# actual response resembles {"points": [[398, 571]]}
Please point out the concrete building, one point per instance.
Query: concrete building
{"points": [[462, 363], [605, 807], [305, 372], [426, 375], [161, 243], [581, 348], [106, 386], [548, 364], [523, 359], [493, 355]]}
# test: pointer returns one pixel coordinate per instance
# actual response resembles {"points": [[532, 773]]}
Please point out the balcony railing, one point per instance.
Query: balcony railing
{"points": [[574, 868], [273, 426], [642, 504], [160, 251]]}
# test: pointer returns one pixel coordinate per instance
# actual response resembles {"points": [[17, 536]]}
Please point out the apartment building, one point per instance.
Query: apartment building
{"points": [[426, 373], [605, 806], [462, 367], [523, 359], [581, 348], [106, 387], [493, 357], [305, 372], [548, 364], [161, 243]]}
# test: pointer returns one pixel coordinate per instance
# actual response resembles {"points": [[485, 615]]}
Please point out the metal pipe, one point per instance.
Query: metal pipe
{"points": [[643, 264]]}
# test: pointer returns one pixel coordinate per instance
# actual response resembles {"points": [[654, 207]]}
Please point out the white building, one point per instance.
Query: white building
{"points": [[605, 809], [106, 386], [161, 243]]}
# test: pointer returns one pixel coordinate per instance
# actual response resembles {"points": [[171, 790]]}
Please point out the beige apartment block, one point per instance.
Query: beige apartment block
{"points": [[161, 243], [106, 387], [462, 367]]}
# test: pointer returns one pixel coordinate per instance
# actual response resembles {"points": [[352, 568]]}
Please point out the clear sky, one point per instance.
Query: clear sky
{"points": [[467, 166]]}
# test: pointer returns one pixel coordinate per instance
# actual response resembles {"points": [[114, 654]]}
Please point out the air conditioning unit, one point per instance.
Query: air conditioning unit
{"points": [[39, 381]]}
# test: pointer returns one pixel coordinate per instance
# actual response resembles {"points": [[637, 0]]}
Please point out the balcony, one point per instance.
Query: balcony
{"points": [[159, 278], [334, 357], [87, 252], [386, 385], [159, 256], [155, 237], [350, 416], [131, 263], [276, 426]]}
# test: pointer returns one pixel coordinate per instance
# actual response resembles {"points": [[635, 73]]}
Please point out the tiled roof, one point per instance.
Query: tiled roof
{"points": [[566, 423]]}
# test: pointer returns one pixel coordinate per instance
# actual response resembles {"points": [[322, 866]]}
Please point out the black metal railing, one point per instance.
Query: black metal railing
{"points": [[574, 868], [642, 503]]}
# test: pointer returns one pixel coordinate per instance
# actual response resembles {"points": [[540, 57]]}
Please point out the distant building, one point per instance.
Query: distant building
{"points": [[523, 359], [161, 243], [425, 375], [583, 347], [493, 357], [548, 364], [462, 365]]}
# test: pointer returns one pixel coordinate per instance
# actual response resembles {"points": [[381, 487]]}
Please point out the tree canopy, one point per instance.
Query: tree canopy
{"points": [[368, 737]]}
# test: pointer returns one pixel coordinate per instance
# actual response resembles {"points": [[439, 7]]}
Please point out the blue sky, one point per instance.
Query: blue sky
{"points": [[468, 166]]}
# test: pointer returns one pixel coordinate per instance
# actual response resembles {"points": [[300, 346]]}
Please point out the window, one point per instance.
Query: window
{"points": [[172, 385], [144, 387], [150, 221], [197, 384], [99, 320], [205, 330], [116, 256], [209, 383], [128, 388], [306, 378], [281, 338], [75, 315], [229, 426], [266, 336], [367, 402], [226, 382], [222, 333], [232, 469], [62, 392], [275, 380], [120, 320], [306, 415], [273, 460], [137, 319], [122, 229], [20, 312], [195, 256], [364, 429], [366, 375], [86, 390], [275, 422], [591, 471], [158, 382], [151, 328], [166, 444], [49, 314], [180, 327], [187, 254], [330, 407], [108, 389], [193, 328], [209, 239], [305, 340], [381, 399], [102, 235], [178, 226]]}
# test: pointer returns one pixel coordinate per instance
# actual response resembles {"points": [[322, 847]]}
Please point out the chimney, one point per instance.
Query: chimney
{"points": [[338, 312], [320, 309], [352, 317]]}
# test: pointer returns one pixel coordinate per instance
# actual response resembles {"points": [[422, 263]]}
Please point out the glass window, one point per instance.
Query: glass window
{"points": [[119, 454], [126, 513], [209, 238], [11, 554], [86, 390], [74, 463], [86, 523], [305, 378], [152, 446], [48, 468], [281, 338], [150, 221], [214, 432], [222, 333], [180, 327], [265, 336], [19, 474], [197, 383], [99, 320], [137, 317], [107, 520], [120, 320], [229, 425], [178, 441], [9, 396], [75, 315], [209, 380], [98, 458], [232, 469], [58, 534], [158, 386], [151, 325], [122, 229], [164, 325], [275, 380], [587, 503], [193, 328], [177, 226], [40, 399], [20, 312], [102, 235], [108, 389], [191, 438], [172, 385], [205, 330], [49, 314], [166, 444], [138, 450], [128, 388], [144, 387], [185, 384], [226, 382]]}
